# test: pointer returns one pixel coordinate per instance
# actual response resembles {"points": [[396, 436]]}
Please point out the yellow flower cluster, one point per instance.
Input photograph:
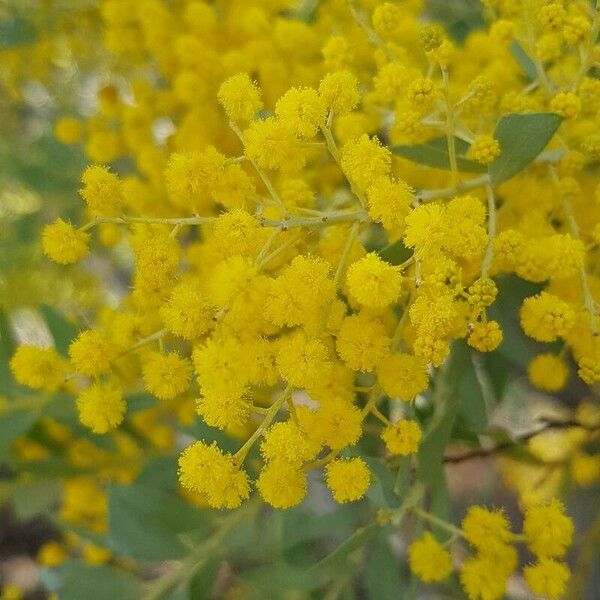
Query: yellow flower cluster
{"points": [[484, 575], [293, 278]]}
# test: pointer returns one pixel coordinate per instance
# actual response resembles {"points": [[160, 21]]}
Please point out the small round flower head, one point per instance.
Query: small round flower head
{"points": [[547, 578], [338, 423], [373, 282], [421, 92], [101, 407], [362, 342], [223, 408], [287, 441], [485, 529], [68, 130], [575, 30], [482, 292], [483, 578], [191, 176], [402, 376], [187, 313], [240, 97], [166, 375], [484, 149], [545, 317], [566, 104], [209, 471], [431, 37], [389, 202], [430, 349], [386, 19], [300, 361], [548, 372], [485, 336], [589, 369], [403, 437], [282, 485], [38, 368], [52, 554], [302, 110], [552, 16], [64, 244], [429, 560], [272, 145], [91, 353], [348, 479], [339, 91], [547, 529], [585, 469], [365, 160], [238, 232], [101, 191], [425, 228]]}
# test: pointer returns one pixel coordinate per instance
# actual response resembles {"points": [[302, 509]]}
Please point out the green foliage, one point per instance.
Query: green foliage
{"points": [[146, 523], [434, 153], [522, 137]]}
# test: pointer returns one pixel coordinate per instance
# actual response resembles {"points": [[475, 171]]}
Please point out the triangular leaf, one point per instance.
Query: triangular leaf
{"points": [[522, 137]]}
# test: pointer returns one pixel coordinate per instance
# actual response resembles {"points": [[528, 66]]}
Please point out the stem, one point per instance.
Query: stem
{"points": [[450, 127], [241, 454], [461, 186], [144, 341], [151, 220], [437, 521], [372, 34], [586, 59], [186, 569], [539, 67], [323, 220], [265, 179], [489, 252], [335, 153], [346, 254], [588, 299]]}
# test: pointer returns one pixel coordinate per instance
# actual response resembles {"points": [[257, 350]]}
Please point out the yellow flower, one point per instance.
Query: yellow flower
{"points": [[281, 484], [389, 202], [403, 437], [302, 110], [101, 407], [348, 479], [548, 529], [485, 336], [101, 191], [166, 375], [365, 160], [547, 578], [64, 244], [429, 560], [240, 97], [402, 376], [362, 342], [91, 353], [486, 529], [51, 554], [301, 361], [483, 578], [548, 372], [566, 104], [373, 282], [484, 149], [206, 469], [545, 317], [339, 91], [38, 368]]}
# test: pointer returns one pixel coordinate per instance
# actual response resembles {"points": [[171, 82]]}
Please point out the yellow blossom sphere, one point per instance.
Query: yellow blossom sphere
{"points": [[64, 244], [348, 479], [373, 282]]}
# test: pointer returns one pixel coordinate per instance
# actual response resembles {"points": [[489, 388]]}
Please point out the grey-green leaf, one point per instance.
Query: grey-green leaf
{"points": [[523, 59], [522, 137], [434, 153], [146, 523]]}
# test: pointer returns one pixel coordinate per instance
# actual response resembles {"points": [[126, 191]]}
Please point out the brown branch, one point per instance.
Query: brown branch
{"points": [[548, 425]]}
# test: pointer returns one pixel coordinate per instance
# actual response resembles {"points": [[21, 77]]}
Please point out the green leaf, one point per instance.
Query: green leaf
{"points": [[395, 253], [13, 425], [434, 153], [35, 497], [201, 584], [473, 409], [522, 137], [16, 31], [79, 581], [523, 59], [145, 523], [8, 384], [358, 539], [381, 490], [62, 331], [382, 574]]}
